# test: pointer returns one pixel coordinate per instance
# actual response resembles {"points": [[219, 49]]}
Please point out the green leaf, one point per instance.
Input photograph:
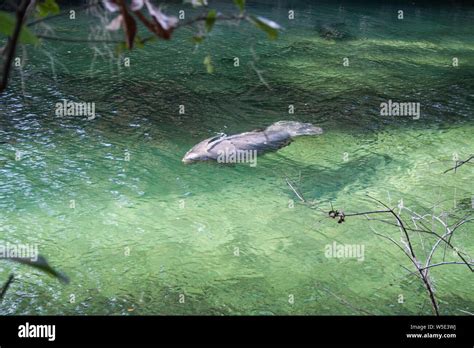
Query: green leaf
{"points": [[7, 26], [198, 39], [211, 19], [240, 4], [139, 42], [47, 7], [120, 48], [42, 264], [208, 64], [268, 26]]}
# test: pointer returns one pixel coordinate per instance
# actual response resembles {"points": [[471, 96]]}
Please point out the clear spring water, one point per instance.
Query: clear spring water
{"points": [[182, 226]]}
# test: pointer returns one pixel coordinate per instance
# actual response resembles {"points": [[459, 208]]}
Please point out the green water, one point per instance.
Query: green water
{"points": [[147, 230]]}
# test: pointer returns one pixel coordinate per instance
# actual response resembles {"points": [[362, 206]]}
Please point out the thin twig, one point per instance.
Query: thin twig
{"points": [[465, 312], [446, 263], [12, 43], [6, 286], [459, 164], [368, 212], [347, 303], [203, 18], [44, 19], [64, 39], [447, 234], [297, 193], [146, 39]]}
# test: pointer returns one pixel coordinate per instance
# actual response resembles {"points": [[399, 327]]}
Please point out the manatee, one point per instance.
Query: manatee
{"points": [[244, 147]]}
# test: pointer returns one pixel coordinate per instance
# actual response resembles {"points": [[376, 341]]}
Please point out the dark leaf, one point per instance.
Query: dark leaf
{"points": [[41, 264], [129, 26]]}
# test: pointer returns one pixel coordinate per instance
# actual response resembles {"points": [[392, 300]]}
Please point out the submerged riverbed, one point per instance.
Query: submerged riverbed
{"points": [[110, 203]]}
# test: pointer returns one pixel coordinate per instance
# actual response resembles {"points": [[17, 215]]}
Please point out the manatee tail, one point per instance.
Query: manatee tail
{"points": [[295, 128]]}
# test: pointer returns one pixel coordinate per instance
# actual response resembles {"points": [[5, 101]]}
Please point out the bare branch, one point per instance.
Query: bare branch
{"points": [[12, 43], [459, 164], [297, 193], [64, 39], [446, 263], [6, 286], [146, 39], [44, 19]]}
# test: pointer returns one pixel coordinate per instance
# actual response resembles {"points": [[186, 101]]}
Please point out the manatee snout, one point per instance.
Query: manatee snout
{"points": [[187, 160], [193, 156]]}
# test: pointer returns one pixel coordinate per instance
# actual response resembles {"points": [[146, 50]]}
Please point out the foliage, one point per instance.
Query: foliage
{"points": [[268, 26], [211, 19], [240, 4], [7, 26], [47, 7]]}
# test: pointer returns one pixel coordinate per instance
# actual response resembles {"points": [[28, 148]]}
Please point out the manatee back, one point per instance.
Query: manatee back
{"points": [[251, 141]]}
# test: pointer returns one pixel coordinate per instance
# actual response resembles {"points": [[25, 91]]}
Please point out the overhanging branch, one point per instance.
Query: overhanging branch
{"points": [[12, 43]]}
